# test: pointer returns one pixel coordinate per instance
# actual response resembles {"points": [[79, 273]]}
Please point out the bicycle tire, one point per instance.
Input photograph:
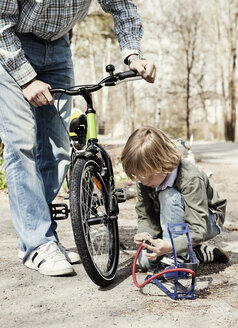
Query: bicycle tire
{"points": [[96, 236]]}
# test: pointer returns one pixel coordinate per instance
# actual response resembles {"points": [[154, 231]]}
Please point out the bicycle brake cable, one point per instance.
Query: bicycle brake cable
{"points": [[61, 119]]}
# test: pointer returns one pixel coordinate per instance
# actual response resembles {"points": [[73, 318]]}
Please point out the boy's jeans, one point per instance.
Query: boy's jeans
{"points": [[36, 152], [172, 211]]}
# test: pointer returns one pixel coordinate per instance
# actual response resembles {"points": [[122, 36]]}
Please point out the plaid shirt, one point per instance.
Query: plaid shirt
{"points": [[50, 20]]}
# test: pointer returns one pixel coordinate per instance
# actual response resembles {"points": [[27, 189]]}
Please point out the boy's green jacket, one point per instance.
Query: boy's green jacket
{"points": [[199, 195]]}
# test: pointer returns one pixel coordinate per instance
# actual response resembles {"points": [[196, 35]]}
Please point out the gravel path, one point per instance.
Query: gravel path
{"points": [[28, 299]]}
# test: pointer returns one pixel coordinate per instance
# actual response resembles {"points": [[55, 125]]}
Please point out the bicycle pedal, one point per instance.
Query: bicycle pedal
{"points": [[121, 195], [59, 211]]}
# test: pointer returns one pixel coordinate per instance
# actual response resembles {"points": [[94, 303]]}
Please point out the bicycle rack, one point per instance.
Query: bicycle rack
{"points": [[174, 272]]}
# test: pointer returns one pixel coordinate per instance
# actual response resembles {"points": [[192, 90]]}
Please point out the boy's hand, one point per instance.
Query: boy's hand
{"points": [[140, 237], [158, 247]]}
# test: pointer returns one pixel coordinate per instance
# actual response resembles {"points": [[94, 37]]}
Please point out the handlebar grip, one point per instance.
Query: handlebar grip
{"points": [[127, 74], [55, 90]]}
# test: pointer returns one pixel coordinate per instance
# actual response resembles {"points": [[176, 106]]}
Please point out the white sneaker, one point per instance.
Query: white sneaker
{"points": [[49, 260], [71, 257], [169, 260]]}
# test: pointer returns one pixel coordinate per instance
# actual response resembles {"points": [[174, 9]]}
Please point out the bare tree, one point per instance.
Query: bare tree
{"points": [[189, 35], [193, 44], [227, 73], [230, 122], [184, 27]]}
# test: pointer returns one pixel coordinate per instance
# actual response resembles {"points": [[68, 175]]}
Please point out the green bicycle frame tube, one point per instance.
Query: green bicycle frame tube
{"points": [[91, 126]]}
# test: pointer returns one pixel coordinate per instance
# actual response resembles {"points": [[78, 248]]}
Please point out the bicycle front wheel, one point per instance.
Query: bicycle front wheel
{"points": [[96, 236]]}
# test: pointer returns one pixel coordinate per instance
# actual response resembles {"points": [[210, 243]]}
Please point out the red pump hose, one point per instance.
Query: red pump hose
{"points": [[157, 274]]}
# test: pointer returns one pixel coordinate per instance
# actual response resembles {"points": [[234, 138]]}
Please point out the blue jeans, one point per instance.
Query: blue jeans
{"points": [[172, 211], [36, 153]]}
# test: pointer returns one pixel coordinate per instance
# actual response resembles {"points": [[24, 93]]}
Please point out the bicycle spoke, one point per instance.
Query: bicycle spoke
{"points": [[96, 236], [93, 205]]}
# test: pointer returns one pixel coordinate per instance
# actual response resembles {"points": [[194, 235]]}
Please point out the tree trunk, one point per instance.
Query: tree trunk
{"points": [[132, 107], [232, 92], [188, 104], [222, 75], [106, 60]]}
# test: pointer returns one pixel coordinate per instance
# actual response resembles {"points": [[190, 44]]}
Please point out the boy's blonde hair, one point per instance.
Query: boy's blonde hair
{"points": [[149, 151]]}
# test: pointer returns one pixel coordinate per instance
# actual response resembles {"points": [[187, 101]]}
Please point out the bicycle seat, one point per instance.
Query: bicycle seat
{"points": [[78, 123]]}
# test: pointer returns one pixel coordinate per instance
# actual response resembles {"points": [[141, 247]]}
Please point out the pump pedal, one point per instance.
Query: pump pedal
{"points": [[121, 195], [59, 211]]}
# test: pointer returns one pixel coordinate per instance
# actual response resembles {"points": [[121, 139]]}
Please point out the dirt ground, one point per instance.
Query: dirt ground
{"points": [[28, 299]]}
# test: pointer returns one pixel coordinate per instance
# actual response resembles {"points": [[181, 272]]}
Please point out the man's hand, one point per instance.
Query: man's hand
{"points": [[37, 93], [145, 68], [158, 247]]}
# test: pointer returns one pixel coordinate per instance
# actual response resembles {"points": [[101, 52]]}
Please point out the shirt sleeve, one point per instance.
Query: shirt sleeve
{"points": [[148, 212], [12, 56], [127, 25], [196, 213]]}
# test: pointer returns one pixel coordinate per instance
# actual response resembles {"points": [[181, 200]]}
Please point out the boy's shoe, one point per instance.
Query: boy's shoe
{"points": [[71, 257], [168, 275], [49, 260], [169, 261], [165, 262], [208, 254], [153, 271]]}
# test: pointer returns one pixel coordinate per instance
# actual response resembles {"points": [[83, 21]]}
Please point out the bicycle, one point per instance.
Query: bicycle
{"points": [[92, 193]]}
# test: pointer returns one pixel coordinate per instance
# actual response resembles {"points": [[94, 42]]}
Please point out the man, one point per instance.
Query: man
{"points": [[34, 57]]}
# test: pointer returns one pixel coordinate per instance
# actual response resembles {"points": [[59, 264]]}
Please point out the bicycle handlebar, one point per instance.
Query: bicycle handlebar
{"points": [[111, 80]]}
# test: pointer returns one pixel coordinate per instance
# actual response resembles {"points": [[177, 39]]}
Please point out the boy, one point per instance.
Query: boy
{"points": [[171, 190]]}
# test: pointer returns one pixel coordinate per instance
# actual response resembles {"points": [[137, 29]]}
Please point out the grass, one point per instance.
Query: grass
{"points": [[3, 180]]}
